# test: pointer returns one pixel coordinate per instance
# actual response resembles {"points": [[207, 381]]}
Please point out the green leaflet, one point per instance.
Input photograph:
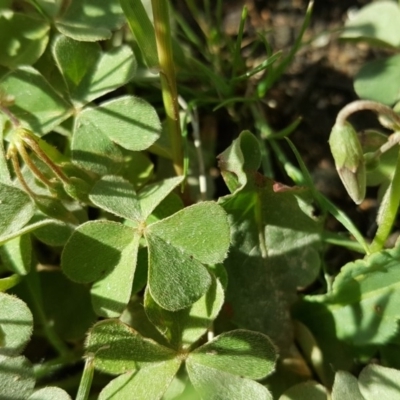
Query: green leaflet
{"points": [[16, 378], [184, 327], [24, 38], [16, 209], [91, 20], [214, 384], [90, 73], [374, 382], [119, 348], [39, 107], [16, 324], [150, 382], [376, 23], [275, 243]]}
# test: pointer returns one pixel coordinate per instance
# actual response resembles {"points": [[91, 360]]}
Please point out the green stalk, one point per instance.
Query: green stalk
{"points": [[388, 211], [168, 80], [87, 378]]}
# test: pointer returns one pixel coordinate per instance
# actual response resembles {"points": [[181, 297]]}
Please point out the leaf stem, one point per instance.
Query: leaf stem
{"points": [[87, 378], [360, 105], [168, 80]]}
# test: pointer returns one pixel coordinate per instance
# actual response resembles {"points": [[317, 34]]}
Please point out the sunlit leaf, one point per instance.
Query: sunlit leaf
{"points": [[90, 73], [24, 38], [119, 348], [150, 382], [36, 103], [50, 393], [91, 20], [214, 384], [240, 352]]}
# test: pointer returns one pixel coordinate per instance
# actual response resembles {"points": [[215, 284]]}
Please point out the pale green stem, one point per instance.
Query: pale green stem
{"points": [[361, 105], [87, 378], [168, 80]]}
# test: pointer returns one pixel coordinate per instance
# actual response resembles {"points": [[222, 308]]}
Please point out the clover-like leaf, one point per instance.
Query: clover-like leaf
{"points": [[376, 23], [50, 393], [119, 348], [178, 246], [214, 384], [37, 105], [16, 378], [16, 324], [95, 249], [91, 20], [127, 121], [117, 196], [374, 382], [184, 327], [88, 72], [111, 294], [152, 195], [240, 352], [275, 243], [176, 280], [378, 80], [16, 254], [305, 391], [24, 38], [150, 382], [16, 209], [345, 387], [201, 231]]}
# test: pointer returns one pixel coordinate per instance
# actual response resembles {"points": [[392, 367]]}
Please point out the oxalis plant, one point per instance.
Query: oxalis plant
{"points": [[108, 265]]}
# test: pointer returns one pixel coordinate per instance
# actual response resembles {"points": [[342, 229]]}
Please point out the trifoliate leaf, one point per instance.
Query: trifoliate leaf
{"points": [[150, 382], [184, 327], [119, 348], [16, 324], [95, 249]]}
